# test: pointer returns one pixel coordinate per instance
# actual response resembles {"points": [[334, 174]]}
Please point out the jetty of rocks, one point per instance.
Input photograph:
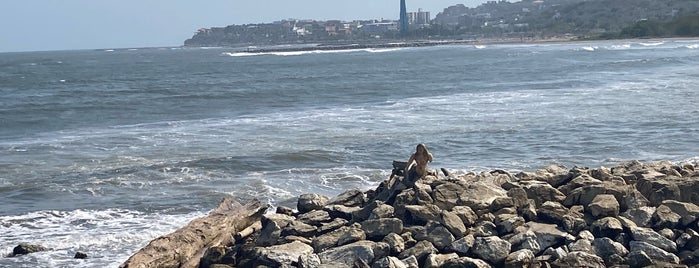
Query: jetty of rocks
{"points": [[631, 215]]}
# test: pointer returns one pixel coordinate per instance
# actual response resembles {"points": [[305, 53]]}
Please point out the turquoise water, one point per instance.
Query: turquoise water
{"points": [[101, 151]]}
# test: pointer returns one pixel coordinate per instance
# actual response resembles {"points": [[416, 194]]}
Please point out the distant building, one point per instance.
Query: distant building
{"points": [[403, 18]]}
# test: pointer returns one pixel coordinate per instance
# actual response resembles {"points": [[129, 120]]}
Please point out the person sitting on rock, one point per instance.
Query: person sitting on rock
{"points": [[420, 158]]}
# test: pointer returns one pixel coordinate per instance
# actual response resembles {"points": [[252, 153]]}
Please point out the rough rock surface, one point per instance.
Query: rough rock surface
{"points": [[634, 214]]}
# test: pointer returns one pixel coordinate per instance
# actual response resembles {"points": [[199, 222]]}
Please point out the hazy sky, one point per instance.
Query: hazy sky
{"points": [[37, 25]]}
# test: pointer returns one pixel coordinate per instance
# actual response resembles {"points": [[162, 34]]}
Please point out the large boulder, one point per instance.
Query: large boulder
{"points": [[604, 205], [350, 198], [437, 260], [548, 235], [655, 253], [606, 227], [286, 254], [492, 249], [420, 250], [345, 256], [520, 258], [465, 262], [453, 222], [606, 247], [651, 237], [689, 212], [554, 212], [309, 202], [641, 216], [580, 259], [25, 248], [664, 217], [423, 213], [541, 192], [381, 227], [439, 235], [658, 190]]}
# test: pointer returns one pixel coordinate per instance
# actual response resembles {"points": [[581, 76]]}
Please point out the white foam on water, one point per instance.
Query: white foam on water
{"points": [[620, 47], [309, 52], [108, 236], [479, 46], [692, 46], [652, 44], [589, 48]]}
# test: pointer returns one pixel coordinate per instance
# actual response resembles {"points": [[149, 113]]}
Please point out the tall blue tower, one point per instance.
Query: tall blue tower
{"points": [[403, 18]]}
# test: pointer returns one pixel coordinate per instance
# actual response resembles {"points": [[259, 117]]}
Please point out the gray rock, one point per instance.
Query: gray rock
{"points": [[80, 255], [420, 250], [554, 212], [606, 247], [382, 227], [292, 238], [395, 242], [581, 259], [404, 198], [365, 212], [424, 213], [556, 253], [439, 235], [382, 211], [606, 227], [285, 211], [525, 240], [688, 240], [389, 262], [270, 234], [446, 195], [639, 259], [411, 261], [464, 244], [315, 217], [519, 197], [642, 216], [352, 235], [667, 233], [466, 214], [604, 205], [345, 256], [541, 192], [350, 198], [310, 202], [520, 258], [309, 261], [466, 262], [479, 195], [501, 202], [422, 194], [577, 182], [581, 245], [651, 237], [333, 225], [664, 217], [688, 211], [437, 260], [299, 228], [492, 249], [655, 253], [453, 222], [285, 254], [548, 235], [587, 235], [330, 239], [657, 190], [484, 228], [211, 256], [506, 223], [341, 211]]}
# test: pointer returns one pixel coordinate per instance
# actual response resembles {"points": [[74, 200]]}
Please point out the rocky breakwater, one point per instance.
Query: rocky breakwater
{"points": [[632, 215]]}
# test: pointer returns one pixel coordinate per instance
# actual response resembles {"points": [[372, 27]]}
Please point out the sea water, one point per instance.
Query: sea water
{"points": [[103, 150]]}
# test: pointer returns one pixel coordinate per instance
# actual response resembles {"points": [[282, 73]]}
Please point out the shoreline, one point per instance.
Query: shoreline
{"points": [[633, 214]]}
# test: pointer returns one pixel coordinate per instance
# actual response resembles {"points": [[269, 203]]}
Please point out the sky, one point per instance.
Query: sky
{"points": [[42, 25]]}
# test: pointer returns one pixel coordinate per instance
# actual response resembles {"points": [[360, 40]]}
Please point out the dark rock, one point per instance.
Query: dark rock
{"points": [[658, 190], [651, 237], [667, 233], [381, 227], [411, 261], [463, 245], [24, 248], [577, 182], [506, 223], [80, 255], [688, 211], [437, 260], [465, 262], [354, 234], [642, 216], [484, 228], [310, 202], [604, 205], [548, 235], [341, 211], [664, 217], [345, 256], [580, 259], [389, 262], [606, 247], [501, 202], [330, 239], [439, 235], [688, 240], [299, 228], [395, 242], [554, 212], [520, 258], [309, 261], [211, 256], [382, 211], [285, 211], [584, 195], [583, 245], [541, 192], [364, 213], [466, 214], [422, 193], [351, 198], [519, 197], [453, 222], [333, 225], [292, 238], [403, 199], [639, 259], [420, 250], [420, 214], [492, 249], [525, 240], [479, 195], [315, 217], [606, 227], [446, 195], [655, 253], [285, 254]]}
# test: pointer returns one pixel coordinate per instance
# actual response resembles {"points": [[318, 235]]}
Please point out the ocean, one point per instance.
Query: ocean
{"points": [[103, 150]]}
